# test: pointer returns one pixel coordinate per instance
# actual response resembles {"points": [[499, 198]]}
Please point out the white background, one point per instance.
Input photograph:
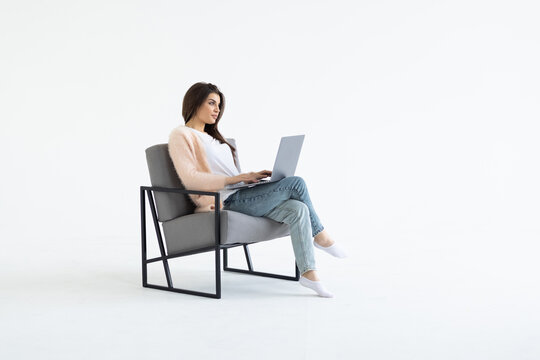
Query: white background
{"points": [[421, 158]]}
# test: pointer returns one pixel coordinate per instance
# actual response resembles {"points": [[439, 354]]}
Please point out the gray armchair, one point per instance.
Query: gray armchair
{"points": [[187, 233]]}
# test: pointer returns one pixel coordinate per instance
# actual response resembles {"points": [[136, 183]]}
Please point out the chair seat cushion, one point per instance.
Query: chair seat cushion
{"points": [[196, 231]]}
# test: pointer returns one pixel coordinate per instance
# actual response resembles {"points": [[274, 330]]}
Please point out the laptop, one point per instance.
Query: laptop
{"points": [[284, 165]]}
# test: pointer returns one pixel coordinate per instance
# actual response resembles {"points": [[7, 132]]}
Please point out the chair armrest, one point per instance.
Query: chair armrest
{"points": [[215, 194], [181, 191]]}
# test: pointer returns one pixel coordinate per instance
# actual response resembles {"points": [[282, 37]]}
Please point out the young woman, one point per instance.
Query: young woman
{"points": [[205, 161]]}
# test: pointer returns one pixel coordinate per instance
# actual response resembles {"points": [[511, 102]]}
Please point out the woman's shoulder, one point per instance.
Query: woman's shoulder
{"points": [[181, 137], [197, 135], [181, 132], [181, 129]]}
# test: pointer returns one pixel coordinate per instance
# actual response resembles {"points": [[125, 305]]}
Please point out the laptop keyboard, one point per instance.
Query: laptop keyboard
{"points": [[246, 185]]}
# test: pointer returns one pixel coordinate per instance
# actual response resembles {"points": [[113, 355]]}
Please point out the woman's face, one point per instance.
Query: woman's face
{"points": [[209, 110]]}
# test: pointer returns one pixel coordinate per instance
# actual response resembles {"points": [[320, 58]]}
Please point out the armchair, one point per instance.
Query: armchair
{"points": [[187, 233]]}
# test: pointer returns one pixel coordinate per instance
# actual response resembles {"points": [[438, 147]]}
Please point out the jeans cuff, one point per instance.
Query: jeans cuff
{"points": [[318, 231]]}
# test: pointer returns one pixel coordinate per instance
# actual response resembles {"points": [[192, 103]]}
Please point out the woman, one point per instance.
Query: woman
{"points": [[205, 161]]}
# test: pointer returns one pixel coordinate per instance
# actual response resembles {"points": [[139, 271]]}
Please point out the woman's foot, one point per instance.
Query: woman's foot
{"points": [[310, 280], [324, 242], [324, 239], [311, 275], [315, 286]]}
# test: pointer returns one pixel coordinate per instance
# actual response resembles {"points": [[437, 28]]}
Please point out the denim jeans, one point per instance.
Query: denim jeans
{"points": [[286, 201]]}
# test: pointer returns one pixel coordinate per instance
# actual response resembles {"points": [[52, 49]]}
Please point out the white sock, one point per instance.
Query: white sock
{"points": [[315, 285], [334, 250]]}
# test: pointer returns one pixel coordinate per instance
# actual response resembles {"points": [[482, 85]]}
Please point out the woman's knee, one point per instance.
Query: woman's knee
{"points": [[295, 181], [299, 179]]}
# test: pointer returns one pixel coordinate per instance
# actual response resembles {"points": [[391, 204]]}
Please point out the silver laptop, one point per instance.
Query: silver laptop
{"points": [[285, 164]]}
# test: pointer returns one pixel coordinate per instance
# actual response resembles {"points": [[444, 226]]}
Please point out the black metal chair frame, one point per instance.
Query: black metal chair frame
{"points": [[216, 248]]}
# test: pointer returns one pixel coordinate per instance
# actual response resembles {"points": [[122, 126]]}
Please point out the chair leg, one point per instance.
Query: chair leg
{"points": [[160, 241], [216, 295], [250, 271], [169, 287], [248, 258]]}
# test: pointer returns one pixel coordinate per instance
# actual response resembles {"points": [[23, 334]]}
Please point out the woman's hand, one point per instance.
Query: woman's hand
{"points": [[253, 177], [250, 177]]}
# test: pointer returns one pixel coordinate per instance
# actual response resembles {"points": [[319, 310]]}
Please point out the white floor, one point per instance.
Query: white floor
{"points": [[450, 299]]}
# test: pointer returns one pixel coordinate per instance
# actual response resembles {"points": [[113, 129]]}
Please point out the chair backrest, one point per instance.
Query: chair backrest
{"points": [[162, 173]]}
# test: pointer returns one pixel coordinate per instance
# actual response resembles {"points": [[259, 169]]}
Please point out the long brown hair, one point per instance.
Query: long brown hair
{"points": [[194, 98]]}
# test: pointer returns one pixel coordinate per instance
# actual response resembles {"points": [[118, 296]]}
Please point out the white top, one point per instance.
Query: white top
{"points": [[220, 159]]}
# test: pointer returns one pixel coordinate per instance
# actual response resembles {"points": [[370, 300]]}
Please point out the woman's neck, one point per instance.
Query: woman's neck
{"points": [[197, 125]]}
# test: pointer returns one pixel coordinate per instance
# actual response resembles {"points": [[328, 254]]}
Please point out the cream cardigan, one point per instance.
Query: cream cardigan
{"points": [[189, 159]]}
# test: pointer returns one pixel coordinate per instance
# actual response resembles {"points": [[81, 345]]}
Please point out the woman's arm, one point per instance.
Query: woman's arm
{"points": [[232, 180], [248, 178], [182, 154]]}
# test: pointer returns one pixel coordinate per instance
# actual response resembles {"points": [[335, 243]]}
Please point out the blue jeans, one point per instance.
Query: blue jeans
{"points": [[285, 201]]}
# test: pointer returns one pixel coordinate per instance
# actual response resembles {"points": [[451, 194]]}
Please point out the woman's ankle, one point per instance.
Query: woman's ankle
{"points": [[311, 275], [323, 239]]}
